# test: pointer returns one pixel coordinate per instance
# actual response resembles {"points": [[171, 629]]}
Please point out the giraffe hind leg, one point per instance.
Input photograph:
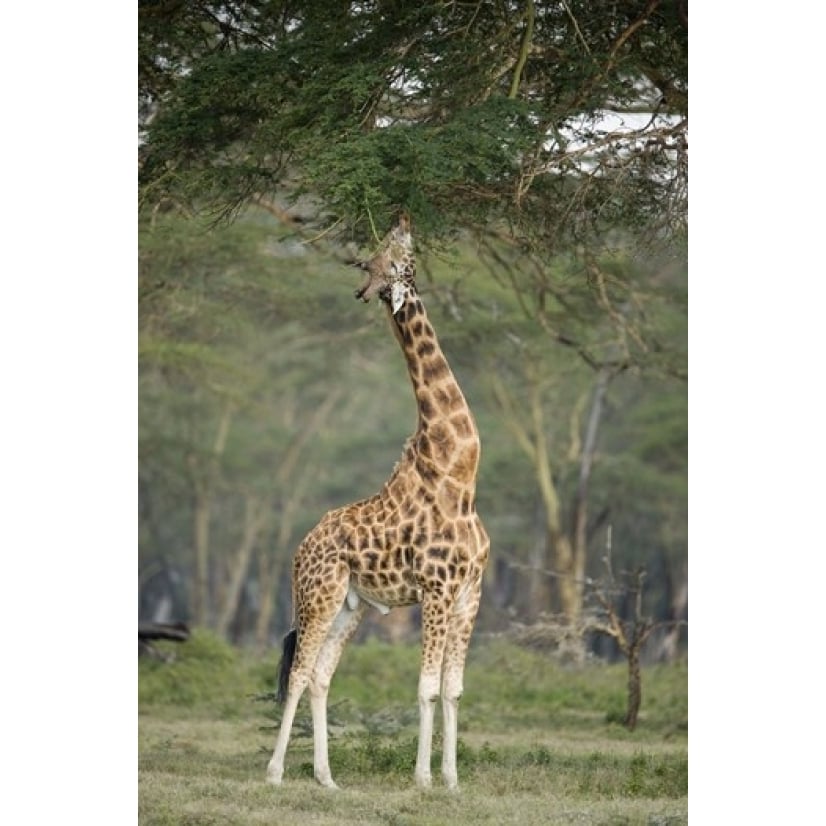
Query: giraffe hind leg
{"points": [[318, 644], [344, 625], [294, 675]]}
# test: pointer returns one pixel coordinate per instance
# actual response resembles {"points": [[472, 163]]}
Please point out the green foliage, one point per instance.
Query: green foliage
{"points": [[449, 111], [204, 672], [374, 755], [419, 166]]}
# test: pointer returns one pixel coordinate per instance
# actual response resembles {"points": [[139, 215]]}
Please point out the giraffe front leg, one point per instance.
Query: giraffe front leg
{"points": [[452, 688], [428, 694], [434, 632], [458, 639], [451, 692]]}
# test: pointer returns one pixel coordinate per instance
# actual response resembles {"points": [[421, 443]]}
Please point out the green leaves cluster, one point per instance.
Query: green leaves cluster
{"points": [[463, 113], [204, 672], [423, 167]]}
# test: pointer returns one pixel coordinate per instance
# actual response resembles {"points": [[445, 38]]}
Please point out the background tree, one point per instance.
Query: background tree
{"points": [[235, 389]]}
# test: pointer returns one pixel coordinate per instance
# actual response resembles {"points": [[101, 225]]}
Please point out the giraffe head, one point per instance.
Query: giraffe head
{"points": [[391, 271]]}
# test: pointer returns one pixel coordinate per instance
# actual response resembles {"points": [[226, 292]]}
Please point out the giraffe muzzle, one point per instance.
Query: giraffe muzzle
{"points": [[361, 293], [373, 286]]}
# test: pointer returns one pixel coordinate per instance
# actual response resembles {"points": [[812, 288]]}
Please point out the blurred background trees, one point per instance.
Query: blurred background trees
{"points": [[542, 151]]}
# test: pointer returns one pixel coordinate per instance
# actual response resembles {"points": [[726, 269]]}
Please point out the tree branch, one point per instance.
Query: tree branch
{"points": [[523, 51]]}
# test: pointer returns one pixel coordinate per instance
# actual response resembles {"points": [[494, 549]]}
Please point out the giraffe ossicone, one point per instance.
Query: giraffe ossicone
{"points": [[418, 540]]}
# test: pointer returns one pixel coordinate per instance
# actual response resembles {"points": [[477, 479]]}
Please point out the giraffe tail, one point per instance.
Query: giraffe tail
{"points": [[286, 664]]}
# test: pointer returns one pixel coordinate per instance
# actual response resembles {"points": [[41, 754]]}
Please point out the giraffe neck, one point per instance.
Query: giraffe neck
{"points": [[446, 441]]}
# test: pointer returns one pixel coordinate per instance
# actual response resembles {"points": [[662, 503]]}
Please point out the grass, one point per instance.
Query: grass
{"points": [[538, 743]]}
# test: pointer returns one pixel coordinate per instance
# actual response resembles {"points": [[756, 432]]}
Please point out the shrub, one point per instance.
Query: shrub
{"points": [[203, 671]]}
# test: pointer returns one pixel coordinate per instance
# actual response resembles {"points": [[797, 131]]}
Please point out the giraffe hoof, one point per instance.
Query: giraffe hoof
{"points": [[423, 781], [274, 774]]}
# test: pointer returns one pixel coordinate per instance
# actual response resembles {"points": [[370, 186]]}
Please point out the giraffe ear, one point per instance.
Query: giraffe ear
{"points": [[397, 294]]}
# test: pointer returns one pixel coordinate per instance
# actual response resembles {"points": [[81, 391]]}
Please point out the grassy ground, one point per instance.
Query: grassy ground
{"points": [[539, 743]]}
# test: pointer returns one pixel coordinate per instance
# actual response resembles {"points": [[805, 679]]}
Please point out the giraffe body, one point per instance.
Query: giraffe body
{"points": [[419, 540]]}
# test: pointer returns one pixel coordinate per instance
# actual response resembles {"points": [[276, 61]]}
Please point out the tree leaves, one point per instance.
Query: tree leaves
{"points": [[463, 113]]}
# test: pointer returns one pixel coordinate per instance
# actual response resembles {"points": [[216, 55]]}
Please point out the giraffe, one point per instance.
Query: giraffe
{"points": [[419, 540]]}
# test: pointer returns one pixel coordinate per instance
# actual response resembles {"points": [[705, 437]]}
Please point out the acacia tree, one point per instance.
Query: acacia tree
{"points": [[564, 120]]}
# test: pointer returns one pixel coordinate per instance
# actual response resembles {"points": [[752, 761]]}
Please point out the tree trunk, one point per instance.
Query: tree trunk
{"points": [[586, 463], [203, 480], [200, 585], [570, 596], [634, 687], [566, 554], [271, 566], [255, 518], [537, 583], [559, 560], [555, 561]]}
